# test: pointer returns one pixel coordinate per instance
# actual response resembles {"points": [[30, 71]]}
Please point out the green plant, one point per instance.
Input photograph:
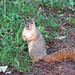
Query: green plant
{"points": [[11, 43], [71, 3], [58, 4], [71, 20]]}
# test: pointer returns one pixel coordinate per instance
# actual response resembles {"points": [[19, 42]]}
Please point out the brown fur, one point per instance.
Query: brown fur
{"points": [[61, 55], [37, 46]]}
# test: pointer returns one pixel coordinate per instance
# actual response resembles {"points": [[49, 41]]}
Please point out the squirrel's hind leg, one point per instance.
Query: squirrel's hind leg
{"points": [[36, 59]]}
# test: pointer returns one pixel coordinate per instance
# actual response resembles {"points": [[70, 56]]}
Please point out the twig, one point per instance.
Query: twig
{"points": [[4, 9]]}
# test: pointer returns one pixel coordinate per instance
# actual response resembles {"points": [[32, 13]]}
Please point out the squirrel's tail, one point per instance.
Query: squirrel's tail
{"points": [[61, 55]]}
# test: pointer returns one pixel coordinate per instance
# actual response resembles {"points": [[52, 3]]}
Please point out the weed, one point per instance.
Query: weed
{"points": [[71, 20]]}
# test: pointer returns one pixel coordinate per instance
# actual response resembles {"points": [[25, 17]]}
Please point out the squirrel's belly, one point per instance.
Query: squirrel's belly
{"points": [[28, 34]]}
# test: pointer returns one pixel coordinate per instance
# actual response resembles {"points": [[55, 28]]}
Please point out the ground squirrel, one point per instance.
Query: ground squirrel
{"points": [[37, 45]]}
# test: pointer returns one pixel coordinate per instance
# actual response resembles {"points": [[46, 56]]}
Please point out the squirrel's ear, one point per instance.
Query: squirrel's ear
{"points": [[33, 19]]}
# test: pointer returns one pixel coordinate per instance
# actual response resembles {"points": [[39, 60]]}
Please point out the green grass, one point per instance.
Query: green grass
{"points": [[12, 21], [71, 20]]}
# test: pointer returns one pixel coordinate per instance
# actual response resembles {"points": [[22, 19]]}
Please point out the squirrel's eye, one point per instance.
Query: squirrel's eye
{"points": [[32, 23]]}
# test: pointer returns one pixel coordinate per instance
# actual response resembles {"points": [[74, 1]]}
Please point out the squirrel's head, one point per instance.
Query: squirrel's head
{"points": [[29, 24]]}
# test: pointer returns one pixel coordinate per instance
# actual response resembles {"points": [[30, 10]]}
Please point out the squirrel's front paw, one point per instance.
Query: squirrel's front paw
{"points": [[24, 38]]}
